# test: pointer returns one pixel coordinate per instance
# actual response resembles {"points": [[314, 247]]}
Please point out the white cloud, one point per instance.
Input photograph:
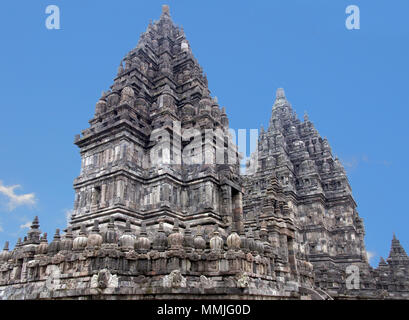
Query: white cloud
{"points": [[68, 214], [15, 200], [352, 162], [26, 225], [370, 255]]}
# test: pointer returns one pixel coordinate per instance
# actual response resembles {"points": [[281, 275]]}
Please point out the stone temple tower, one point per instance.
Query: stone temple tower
{"points": [[162, 212], [158, 202], [329, 230], [157, 145]]}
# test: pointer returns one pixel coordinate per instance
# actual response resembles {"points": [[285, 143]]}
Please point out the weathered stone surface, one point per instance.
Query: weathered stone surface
{"points": [[154, 219], [310, 194]]}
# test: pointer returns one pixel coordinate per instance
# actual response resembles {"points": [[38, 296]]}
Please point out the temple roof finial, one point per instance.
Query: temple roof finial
{"points": [[35, 224], [306, 118], [165, 10], [382, 262], [57, 234], [280, 94], [143, 232]]}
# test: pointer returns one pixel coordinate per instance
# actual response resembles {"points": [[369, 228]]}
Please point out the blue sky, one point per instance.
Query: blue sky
{"points": [[352, 83]]}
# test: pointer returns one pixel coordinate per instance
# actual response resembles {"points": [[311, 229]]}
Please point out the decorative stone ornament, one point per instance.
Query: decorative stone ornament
{"points": [[80, 242], [5, 254], [175, 239], [127, 240], [143, 244], [94, 238], [174, 280], [67, 241], [127, 96], [120, 69], [243, 242], [216, 242], [184, 46], [33, 234], [188, 240], [54, 246], [111, 236], [100, 107], [104, 279], [233, 241], [259, 246], [251, 242], [198, 241], [43, 246], [160, 241], [243, 280]]}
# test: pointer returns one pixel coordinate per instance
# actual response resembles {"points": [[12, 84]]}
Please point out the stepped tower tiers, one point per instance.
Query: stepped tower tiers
{"points": [[328, 229], [158, 207], [152, 145], [161, 211]]}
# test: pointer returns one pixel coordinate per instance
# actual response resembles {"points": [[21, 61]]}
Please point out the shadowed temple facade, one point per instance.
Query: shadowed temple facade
{"points": [[161, 210]]}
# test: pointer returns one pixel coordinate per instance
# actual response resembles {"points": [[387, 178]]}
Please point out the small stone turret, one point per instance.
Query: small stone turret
{"points": [[143, 244], [175, 239], [5, 254], [67, 242], [188, 240], [244, 244], [259, 246], [80, 242], [111, 236], [251, 242], [94, 238], [127, 240], [216, 242], [18, 243], [160, 241], [233, 241], [198, 241], [33, 235], [54, 246], [43, 247], [264, 238]]}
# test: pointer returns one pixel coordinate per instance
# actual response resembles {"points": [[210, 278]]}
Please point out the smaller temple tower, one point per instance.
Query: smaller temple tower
{"points": [[392, 275]]}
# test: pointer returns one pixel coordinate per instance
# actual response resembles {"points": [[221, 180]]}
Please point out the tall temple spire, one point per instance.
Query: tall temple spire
{"points": [[280, 97], [165, 11], [293, 151], [280, 94], [159, 85]]}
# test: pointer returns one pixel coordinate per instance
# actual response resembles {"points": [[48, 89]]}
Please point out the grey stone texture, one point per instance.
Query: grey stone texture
{"points": [[154, 219], [316, 194]]}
